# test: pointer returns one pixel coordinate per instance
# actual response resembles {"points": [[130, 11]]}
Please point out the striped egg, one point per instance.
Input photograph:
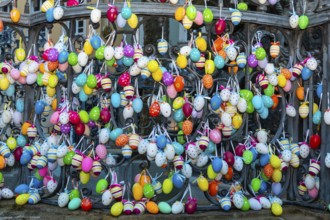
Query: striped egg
{"points": [[297, 68], [34, 149], [241, 60], [284, 165], [294, 162], [45, 78], [145, 73], [162, 46], [117, 191], [187, 23], [106, 84], [4, 151], [128, 207], [225, 203], [227, 130], [123, 100], [57, 127], [76, 160], [25, 71], [52, 155], [34, 161], [302, 188], [34, 198], [263, 81], [294, 147], [139, 208], [47, 110], [236, 17], [157, 186], [314, 168], [178, 162], [138, 53], [134, 141], [201, 62], [47, 5], [285, 144], [274, 50], [127, 151], [129, 91], [203, 142], [96, 168], [32, 132], [42, 162], [231, 110], [303, 110]]}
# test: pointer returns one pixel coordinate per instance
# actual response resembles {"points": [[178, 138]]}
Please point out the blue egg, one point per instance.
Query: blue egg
{"points": [[217, 164], [178, 115], [115, 100], [268, 101], [257, 102], [126, 12], [25, 158], [215, 102], [263, 187], [255, 153], [36, 183], [60, 75], [178, 148], [10, 91], [264, 114], [22, 188], [95, 42], [128, 61], [82, 96], [306, 73], [210, 148], [137, 105], [319, 90], [219, 62], [195, 55], [161, 141], [21, 140], [50, 15], [63, 57], [317, 117], [115, 133], [19, 105], [39, 107], [178, 180], [81, 79], [264, 159]]}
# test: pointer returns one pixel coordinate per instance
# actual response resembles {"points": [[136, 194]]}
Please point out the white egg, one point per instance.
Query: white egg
{"points": [[107, 198], [63, 199]]}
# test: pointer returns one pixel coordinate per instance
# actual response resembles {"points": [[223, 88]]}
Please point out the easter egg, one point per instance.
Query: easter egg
{"points": [[303, 22], [164, 208], [276, 209], [152, 207], [167, 186], [117, 209]]}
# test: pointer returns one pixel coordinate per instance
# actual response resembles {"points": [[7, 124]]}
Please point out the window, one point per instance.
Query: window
{"points": [[80, 27], [36, 5]]}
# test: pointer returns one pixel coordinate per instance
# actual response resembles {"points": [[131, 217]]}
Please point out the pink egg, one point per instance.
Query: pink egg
{"points": [[215, 136], [199, 18], [313, 193], [43, 171], [101, 151], [63, 66], [54, 118], [87, 164], [15, 74], [46, 180], [22, 80], [288, 86], [137, 178], [171, 91]]}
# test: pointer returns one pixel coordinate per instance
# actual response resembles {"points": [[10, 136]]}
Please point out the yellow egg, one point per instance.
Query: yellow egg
{"points": [[50, 91], [88, 47], [281, 80], [45, 78], [84, 177], [4, 83], [153, 66], [87, 90], [201, 43], [133, 21], [117, 209], [11, 143], [210, 173], [53, 81], [202, 183], [22, 199], [157, 75], [20, 54], [303, 110], [315, 108], [275, 161], [179, 14], [137, 191], [237, 121], [178, 103], [209, 66], [187, 23], [277, 175], [47, 5], [277, 209], [167, 186], [181, 61]]}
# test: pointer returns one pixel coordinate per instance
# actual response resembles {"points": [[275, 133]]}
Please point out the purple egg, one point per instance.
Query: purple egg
{"points": [[128, 50], [91, 124], [196, 114], [262, 63], [167, 78], [276, 188], [65, 128], [52, 54], [252, 61]]}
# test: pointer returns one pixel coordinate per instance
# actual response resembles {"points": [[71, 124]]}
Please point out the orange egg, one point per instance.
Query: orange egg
{"points": [[179, 14], [275, 101], [122, 140], [268, 170], [152, 207], [52, 65], [229, 174], [179, 83], [2, 162], [42, 67], [15, 15], [300, 93], [223, 54], [286, 72], [1, 25], [234, 69], [213, 188], [187, 127], [54, 104], [207, 81], [144, 179], [25, 127], [217, 46]]}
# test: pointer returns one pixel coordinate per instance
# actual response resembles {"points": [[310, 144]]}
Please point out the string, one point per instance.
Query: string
{"points": [[293, 11], [306, 95]]}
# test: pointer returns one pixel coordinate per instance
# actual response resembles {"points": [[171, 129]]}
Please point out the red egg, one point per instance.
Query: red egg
{"points": [[154, 109], [86, 204], [187, 109], [124, 79], [74, 117], [220, 26], [18, 153], [239, 150], [112, 13], [79, 128], [105, 115], [229, 158], [213, 188], [191, 206], [315, 141]]}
